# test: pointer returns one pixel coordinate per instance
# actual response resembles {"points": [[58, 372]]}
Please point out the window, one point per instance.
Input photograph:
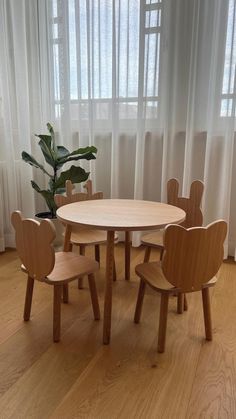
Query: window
{"points": [[229, 79], [104, 50]]}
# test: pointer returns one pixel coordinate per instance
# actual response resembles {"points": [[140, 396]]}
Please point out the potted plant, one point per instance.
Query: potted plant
{"points": [[56, 156]]}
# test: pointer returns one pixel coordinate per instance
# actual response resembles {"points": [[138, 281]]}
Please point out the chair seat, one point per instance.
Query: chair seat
{"points": [[151, 273], [69, 266], [154, 239], [88, 236]]}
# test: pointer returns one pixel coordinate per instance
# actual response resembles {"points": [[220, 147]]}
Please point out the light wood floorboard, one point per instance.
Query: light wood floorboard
{"points": [[81, 378]]}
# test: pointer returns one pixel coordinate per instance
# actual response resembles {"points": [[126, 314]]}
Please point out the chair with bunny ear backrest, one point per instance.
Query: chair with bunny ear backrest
{"points": [[41, 263], [194, 218], [191, 205], [192, 258], [83, 237]]}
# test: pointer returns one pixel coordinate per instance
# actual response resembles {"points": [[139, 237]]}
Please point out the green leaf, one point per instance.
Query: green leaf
{"points": [[84, 150], [47, 195], [88, 156], [75, 174], [47, 151], [47, 139], [85, 153], [62, 152], [51, 130], [31, 160]]}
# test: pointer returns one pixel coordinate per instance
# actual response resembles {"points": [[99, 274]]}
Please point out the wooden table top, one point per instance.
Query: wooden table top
{"points": [[121, 214]]}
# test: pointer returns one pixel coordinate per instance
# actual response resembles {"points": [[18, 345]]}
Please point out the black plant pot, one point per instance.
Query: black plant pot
{"points": [[46, 214]]}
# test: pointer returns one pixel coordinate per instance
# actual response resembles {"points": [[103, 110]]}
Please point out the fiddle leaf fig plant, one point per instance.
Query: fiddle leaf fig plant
{"points": [[56, 156]]}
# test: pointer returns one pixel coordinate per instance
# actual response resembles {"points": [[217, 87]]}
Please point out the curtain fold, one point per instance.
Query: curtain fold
{"points": [[21, 108], [151, 83]]}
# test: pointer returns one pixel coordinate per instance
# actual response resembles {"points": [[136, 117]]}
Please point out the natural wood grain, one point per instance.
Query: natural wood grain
{"points": [[80, 235], [82, 253], [34, 246], [214, 387], [28, 298], [121, 214], [139, 303], [154, 239], [191, 206], [194, 217], [94, 297], [118, 214], [207, 313], [108, 290], [57, 290], [161, 386], [127, 255], [180, 304], [81, 378], [163, 322], [192, 258]]}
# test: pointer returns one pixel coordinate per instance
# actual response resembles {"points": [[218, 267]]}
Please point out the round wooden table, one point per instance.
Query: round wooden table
{"points": [[116, 215]]}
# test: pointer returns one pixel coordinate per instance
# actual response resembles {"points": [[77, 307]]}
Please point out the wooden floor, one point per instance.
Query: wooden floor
{"points": [[81, 378]]}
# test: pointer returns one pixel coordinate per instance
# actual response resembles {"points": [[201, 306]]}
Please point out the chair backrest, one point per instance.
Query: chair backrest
{"points": [[34, 245], [193, 256], [190, 205], [70, 197]]}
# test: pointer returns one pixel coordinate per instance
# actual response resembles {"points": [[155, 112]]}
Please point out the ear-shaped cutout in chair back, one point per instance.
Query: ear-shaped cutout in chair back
{"points": [[172, 191], [89, 187], [190, 205], [196, 192], [34, 245], [69, 188], [193, 256], [71, 197]]}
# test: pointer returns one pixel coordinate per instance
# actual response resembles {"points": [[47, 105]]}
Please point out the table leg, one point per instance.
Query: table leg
{"points": [[67, 244], [127, 255], [67, 248], [108, 290]]}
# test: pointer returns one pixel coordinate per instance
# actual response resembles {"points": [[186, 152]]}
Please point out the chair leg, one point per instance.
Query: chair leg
{"points": [[163, 322], [65, 290], [180, 303], [207, 312], [139, 304], [127, 255], [185, 303], [57, 312], [28, 298], [114, 270], [82, 253], [161, 253], [97, 253], [147, 254], [94, 296]]}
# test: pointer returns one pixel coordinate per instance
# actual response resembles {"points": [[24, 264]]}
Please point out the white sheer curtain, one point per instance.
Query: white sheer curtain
{"points": [[22, 110], [144, 81], [199, 116], [151, 83]]}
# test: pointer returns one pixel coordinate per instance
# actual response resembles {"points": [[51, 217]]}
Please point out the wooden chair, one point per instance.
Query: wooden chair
{"points": [[193, 218], [83, 237], [191, 259], [41, 263]]}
